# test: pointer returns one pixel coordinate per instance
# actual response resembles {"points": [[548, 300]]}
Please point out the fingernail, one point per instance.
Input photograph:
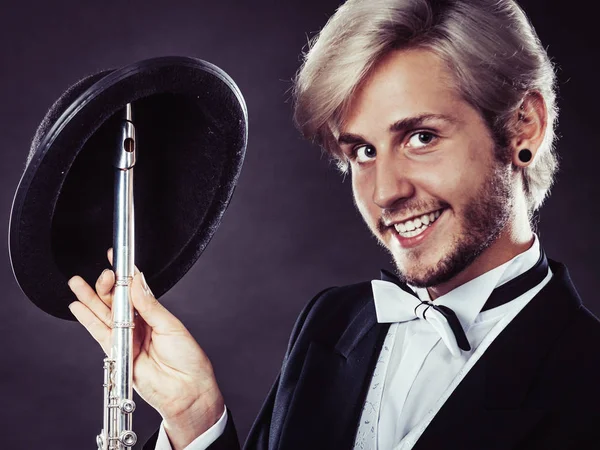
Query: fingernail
{"points": [[70, 282], [145, 286], [103, 274]]}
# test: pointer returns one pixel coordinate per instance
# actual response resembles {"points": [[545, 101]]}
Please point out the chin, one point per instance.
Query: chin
{"points": [[425, 272], [427, 276], [430, 263]]}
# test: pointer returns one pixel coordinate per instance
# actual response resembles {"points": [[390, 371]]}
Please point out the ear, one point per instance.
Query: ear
{"points": [[529, 128]]}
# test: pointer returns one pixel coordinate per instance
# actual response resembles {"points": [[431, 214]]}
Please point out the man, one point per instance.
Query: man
{"points": [[444, 114]]}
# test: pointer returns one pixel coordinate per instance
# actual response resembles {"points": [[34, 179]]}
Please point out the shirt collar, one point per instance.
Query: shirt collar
{"points": [[468, 299]]}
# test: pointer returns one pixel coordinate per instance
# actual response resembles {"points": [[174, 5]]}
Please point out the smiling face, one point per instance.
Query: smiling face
{"points": [[424, 172]]}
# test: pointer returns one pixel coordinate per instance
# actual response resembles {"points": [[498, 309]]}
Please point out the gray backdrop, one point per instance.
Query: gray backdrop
{"points": [[290, 230]]}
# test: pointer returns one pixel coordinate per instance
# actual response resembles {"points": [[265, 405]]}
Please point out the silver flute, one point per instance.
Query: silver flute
{"points": [[117, 433]]}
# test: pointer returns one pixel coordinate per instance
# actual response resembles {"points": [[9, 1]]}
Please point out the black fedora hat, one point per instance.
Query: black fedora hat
{"points": [[191, 134]]}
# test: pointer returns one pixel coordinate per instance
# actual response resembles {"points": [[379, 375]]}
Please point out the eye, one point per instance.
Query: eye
{"points": [[421, 139], [364, 153]]}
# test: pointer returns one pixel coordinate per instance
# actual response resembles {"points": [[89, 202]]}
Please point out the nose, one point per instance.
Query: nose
{"points": [[392, 183]]}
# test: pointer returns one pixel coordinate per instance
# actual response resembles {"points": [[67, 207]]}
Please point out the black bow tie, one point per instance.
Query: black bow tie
{"points": [[499, 296]]}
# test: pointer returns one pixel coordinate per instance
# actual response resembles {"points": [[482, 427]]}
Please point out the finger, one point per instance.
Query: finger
{"points": [[141, 333], [86, 295], [104, 286], [153, 313], [109, 254], [99, 331]]}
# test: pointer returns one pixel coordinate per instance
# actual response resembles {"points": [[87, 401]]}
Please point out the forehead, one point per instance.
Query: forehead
{"points": [[404, 84]]}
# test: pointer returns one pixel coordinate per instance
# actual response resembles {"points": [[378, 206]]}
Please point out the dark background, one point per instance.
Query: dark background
{"points": [[290, 230]]}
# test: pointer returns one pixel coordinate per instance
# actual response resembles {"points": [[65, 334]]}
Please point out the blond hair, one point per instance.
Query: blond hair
{"points": [[489, 45]]}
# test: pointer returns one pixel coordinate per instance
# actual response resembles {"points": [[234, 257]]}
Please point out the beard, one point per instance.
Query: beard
{"points": [[482, 222]]}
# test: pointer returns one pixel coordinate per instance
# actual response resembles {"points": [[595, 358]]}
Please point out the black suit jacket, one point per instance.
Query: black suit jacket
{"points": [[536, 387]]}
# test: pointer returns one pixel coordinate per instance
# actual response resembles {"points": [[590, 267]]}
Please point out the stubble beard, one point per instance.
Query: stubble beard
{"points": [[483, 220]]}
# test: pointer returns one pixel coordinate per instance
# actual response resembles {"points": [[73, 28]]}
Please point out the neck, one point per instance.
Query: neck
{"points": [[516, 238]]}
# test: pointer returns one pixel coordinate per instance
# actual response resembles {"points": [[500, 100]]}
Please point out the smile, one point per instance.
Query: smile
{"points": [[414, 227]]}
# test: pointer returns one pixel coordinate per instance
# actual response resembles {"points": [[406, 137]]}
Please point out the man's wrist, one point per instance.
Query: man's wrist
{"points": [[185, 427]]}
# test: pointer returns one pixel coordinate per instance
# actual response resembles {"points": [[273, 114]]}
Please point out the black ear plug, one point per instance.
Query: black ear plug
{"points": [[525, 155]]}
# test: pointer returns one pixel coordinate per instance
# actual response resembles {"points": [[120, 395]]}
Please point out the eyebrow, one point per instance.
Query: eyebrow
{"points": [[408, 123]]}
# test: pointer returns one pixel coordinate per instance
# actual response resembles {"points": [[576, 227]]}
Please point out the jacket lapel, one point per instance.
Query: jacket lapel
{"points": [[332, 385], [490, 408]]}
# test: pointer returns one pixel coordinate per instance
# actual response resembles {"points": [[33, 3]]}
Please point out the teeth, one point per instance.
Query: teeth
{"points": [[413, 233], [414, 227]]}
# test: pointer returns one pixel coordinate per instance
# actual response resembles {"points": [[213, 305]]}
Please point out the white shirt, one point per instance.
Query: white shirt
{"points": [[415, 373], [202, 442]]}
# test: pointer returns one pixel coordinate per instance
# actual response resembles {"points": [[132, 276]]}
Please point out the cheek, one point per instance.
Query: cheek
{"points": [[453, 184], [363, 193], [472, 176], [443, 181], [455, 179]]}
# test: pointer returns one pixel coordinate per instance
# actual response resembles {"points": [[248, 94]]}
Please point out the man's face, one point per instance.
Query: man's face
{"points": [[424, 174]]}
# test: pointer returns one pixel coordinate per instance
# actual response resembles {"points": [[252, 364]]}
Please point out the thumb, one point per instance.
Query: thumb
{"points": [[154, 314]]}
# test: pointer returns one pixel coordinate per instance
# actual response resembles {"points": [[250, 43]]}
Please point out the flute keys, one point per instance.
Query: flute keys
{"points": [[128, 438], [127, 406], [100, 442]]}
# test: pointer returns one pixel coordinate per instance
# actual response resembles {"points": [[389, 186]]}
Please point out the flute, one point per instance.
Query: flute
{"points": [[117, 433]]}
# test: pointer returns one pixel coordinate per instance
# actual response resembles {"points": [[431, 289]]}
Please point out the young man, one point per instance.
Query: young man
{"points": [[444, 114]]}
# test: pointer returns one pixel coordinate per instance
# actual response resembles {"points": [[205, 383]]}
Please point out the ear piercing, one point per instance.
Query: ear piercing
{"points": [[525, 155]]}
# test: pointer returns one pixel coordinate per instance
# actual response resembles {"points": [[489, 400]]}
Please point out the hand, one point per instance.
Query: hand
{"points": [[170, 370]]}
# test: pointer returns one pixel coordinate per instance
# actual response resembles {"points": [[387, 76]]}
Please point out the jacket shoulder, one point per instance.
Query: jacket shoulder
{"points": [[329, 312], [583, 335]]}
